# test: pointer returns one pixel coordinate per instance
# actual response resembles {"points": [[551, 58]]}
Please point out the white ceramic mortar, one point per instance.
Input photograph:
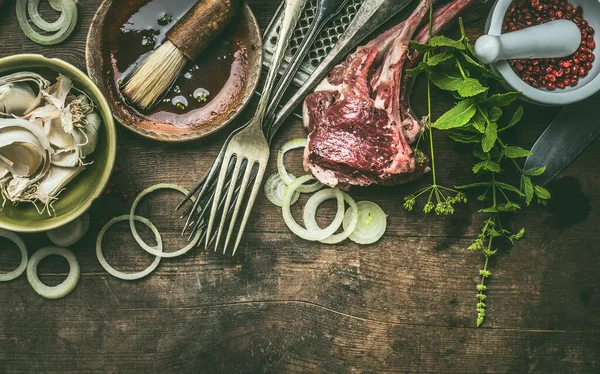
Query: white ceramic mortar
{"points": [[585, 88]]}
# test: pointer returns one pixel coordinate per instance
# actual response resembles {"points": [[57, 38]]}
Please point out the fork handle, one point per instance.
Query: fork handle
{"points": [[292, 11]]}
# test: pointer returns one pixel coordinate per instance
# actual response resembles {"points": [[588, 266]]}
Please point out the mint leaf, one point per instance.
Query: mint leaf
{"points": [[445, 80], [487, 165], [457, 116], [478, 122], [462, 137], [439, 58], [516, 152], [542, 193], [471, 87], [495, 114], [537, 172], [420, 47], [489, 137], [516, 118], [470, 61], [478, 152], [501, 99], [528, 188], [432, 61], [508, 187], [443, 41], [519, 235], [509, 207]]}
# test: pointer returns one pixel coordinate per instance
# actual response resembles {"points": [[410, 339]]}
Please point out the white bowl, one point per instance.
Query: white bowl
{"points": [[586, 87]]}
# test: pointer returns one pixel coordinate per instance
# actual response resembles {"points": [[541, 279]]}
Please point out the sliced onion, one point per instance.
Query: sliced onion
{"points": [[69, 9], [310, 215], [158, 250], [5, 277], [63, 289], [70, 233], [56, 5], [313, 235], [372, 223], [114, 272], [275, 189], [34, 15], [288, 178]]}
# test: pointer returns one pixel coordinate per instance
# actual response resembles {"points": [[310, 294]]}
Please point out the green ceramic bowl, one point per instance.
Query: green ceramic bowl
{"points": [[79, 195]]}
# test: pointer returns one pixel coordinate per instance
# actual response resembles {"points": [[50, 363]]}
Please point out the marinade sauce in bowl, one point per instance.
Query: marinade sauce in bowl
{"points": [[208, 93]]}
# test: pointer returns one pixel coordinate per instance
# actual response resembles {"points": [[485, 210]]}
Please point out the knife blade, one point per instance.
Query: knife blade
{"points": [[568, 135]]}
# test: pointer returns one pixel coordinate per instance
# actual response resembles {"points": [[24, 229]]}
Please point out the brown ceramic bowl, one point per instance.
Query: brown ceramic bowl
{"points": [[229, 96]]}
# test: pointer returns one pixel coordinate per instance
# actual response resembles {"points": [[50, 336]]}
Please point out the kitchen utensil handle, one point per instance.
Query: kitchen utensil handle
{"points": [[201, 24], [371, 15], [322, 16], [291, 15], [554, 39]]}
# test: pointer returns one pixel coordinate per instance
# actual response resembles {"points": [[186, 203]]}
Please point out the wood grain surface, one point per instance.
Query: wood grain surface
{"points": [[405, 304]]}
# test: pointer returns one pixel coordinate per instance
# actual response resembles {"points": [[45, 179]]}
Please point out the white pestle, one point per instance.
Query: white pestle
{"points": [[554, 39]]}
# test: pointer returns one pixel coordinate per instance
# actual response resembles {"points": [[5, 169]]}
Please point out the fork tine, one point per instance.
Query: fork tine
{"points": [[204, 210], [218, 192], [209, 185], [191, 193], [259, 177], [209, 180], [222, 204], [190, 209], [229, 213], [238, 203], [212, 173], [201, 216], [234, 180]]}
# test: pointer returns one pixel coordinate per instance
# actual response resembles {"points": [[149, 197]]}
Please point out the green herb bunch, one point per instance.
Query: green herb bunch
{"points": [[478, 118]]}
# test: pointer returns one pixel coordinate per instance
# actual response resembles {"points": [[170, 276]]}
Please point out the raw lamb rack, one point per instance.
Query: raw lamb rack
{"points": [[360, 128]]}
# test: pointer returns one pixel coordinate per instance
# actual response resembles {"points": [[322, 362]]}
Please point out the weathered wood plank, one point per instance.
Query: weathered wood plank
{"points": [[283, 336], [283, 304]]}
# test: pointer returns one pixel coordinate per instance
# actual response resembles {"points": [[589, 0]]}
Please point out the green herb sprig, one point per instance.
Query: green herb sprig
{"points": [[478, 118]]}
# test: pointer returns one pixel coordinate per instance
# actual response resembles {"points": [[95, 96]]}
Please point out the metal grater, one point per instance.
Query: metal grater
{"points": [[324, 43]]}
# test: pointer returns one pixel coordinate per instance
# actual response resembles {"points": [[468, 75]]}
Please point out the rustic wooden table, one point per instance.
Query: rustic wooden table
{"points": [[283, 304]]}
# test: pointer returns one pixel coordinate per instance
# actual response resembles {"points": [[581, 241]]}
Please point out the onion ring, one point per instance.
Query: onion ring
{"points": [[119, 274], [288, 178], [63, 289], [70, 233], [312, 235], [68, 6], [5, 277], [158, 250], [372, 223], [310, 215], [34, 15], [275, 189]]}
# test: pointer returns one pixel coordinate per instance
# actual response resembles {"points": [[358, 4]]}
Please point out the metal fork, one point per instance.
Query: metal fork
{"points": [[371, 15], [324, 12], [250, 145]]}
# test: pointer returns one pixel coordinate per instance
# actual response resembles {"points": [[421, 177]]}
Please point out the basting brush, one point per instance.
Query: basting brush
{"points": [[185, 42]]}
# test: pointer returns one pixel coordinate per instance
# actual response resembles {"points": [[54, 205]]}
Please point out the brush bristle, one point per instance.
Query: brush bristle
{"points": [[154, 75]]}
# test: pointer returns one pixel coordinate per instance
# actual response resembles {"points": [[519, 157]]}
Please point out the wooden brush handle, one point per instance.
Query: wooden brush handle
{"points": [[201, 24]]}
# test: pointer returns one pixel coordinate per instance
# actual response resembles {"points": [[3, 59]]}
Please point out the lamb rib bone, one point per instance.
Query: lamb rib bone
{"points": [[355, 139], [411, 124]]}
